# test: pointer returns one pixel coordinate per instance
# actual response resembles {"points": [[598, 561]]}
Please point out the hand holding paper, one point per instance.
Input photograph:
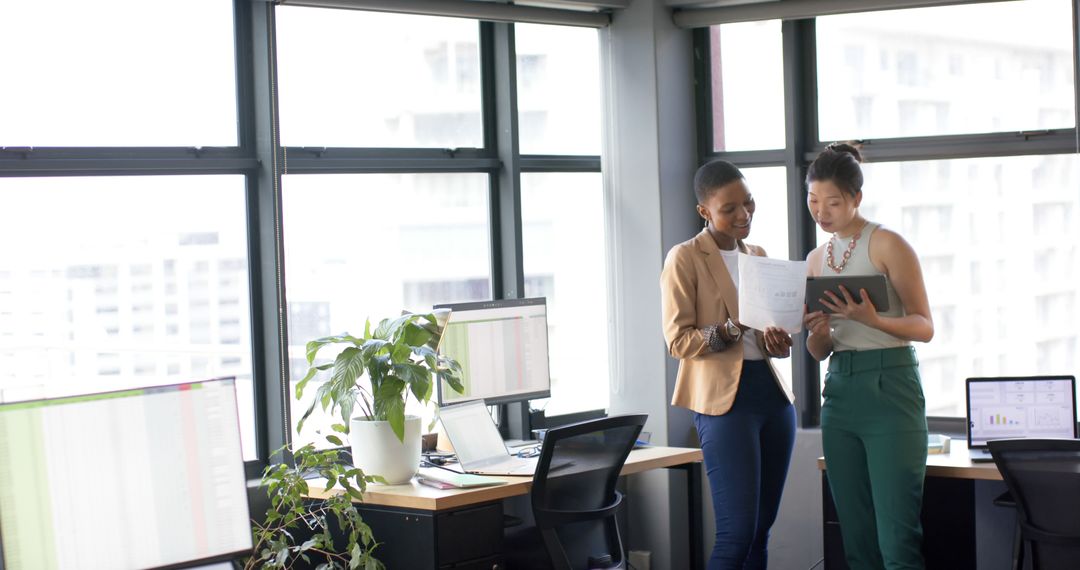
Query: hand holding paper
{"points": [[777, 342], [771, 293]]}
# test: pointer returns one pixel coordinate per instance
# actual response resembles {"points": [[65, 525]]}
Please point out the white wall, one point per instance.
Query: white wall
{"points": [[649, 145]]}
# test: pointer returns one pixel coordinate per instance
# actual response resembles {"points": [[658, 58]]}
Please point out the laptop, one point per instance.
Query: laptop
{"points": [[1019, 407], [478, 444]]}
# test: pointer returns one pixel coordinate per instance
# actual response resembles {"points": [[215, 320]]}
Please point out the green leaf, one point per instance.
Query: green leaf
{"points": [[334, 440], [395, 414], [326, 397], [339, 428], [400, 353], [348, 366], [300, 424], [346, 414], [355, 554], [312, 348], [451, 380], [420, 383], [416, 335], [311, 374], [390, 394], [384, 329]]}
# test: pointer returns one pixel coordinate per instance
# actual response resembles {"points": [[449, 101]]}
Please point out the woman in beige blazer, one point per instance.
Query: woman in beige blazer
{"points": [[742, 408]]}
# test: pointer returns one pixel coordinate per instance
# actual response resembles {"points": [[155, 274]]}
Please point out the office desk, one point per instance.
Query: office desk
{"points": [[464, 526], [948, 515]]}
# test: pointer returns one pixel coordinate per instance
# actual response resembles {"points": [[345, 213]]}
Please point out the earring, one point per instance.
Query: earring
{"points": [[706, 224]]}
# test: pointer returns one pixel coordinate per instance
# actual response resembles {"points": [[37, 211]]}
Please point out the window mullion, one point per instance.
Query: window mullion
{"points": [[508, 273], [800, 116], [268, 310], [1058, 141]]}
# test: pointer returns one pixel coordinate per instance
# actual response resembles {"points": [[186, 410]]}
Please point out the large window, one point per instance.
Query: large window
{"points": [[365, 79], [936, 101], [94, 299], [558, 81], [399, 235], [564, 261], [109, 73], [934, 71], [747, 71], [367, 246], [997, 239], [199, 192]]}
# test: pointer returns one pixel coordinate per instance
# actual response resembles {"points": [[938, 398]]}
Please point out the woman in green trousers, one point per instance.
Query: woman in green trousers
{"points": [[873, 420]]}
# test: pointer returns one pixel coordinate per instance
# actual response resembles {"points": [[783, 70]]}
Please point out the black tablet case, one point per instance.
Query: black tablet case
{"points": [[874, 285]]}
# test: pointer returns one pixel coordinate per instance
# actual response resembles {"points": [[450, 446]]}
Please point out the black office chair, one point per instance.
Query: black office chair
{"points": [[1043, 476], [574, 500], [1005, 500]]}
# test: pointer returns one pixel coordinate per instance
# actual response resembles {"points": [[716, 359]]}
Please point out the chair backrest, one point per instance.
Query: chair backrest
{"points": [[574, 498], [1043, 476]]}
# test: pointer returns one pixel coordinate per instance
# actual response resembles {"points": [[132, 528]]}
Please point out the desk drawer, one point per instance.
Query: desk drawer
{"points": [[469, 533]]}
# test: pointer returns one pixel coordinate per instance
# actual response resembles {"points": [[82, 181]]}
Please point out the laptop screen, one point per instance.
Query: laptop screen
{"points": [[472, 431], [1020, 407]]}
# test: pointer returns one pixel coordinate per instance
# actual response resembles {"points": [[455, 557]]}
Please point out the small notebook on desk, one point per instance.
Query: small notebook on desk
{"points": [[450, 479]]}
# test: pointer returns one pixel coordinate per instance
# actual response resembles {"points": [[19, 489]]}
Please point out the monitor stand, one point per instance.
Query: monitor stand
{"points": [[514, 424]]}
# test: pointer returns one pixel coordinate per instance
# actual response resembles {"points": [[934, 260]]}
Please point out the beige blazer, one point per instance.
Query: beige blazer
{"points": [[697, 291]]}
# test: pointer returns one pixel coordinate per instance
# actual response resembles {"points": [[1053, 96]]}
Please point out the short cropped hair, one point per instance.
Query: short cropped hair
{"points": [[712, 176]]}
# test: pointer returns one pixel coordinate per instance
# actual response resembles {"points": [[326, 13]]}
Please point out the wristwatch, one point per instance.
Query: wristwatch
{"points": [[733, 330]]}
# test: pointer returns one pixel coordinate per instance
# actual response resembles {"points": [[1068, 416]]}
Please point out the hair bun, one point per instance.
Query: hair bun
{"points": [[845, 147]]}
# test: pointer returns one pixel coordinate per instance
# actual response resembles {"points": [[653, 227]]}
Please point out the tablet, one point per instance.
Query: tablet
{"points": [[874, 285]]}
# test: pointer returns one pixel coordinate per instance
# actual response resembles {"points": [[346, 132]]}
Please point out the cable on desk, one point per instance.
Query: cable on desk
{"points": [[426, 463], [439, 458]]}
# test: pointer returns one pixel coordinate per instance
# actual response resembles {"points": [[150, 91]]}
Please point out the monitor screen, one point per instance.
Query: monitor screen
{"points": [[1020, 407], [145, 478], [502, 347]]}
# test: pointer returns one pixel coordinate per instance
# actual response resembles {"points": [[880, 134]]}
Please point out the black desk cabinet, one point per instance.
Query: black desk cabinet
{"points": [[469, 538], [948, 519]]}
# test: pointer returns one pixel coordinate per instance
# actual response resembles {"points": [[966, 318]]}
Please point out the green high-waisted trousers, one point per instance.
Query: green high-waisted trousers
{"points": [[873, 431]]}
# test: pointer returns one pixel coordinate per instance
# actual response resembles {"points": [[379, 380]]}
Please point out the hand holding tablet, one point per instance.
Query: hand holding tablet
{"points": [[874, 285]]}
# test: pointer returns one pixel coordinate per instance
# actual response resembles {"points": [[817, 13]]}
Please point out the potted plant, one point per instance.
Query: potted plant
{"points": [[291, 517], [374, 374]]}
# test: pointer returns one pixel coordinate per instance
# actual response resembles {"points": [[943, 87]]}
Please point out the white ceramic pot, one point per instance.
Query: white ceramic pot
{"points": [[377, 451]]}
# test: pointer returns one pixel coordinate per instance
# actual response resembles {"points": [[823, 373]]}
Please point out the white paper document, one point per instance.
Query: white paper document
{"points": [[771, 293]]}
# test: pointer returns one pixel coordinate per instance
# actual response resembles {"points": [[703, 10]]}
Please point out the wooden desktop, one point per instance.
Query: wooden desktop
{"points": [[464, 526]]}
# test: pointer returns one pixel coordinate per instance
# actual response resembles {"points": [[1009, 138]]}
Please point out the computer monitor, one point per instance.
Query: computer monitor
{"points": [[502, 347], [145, 478]]}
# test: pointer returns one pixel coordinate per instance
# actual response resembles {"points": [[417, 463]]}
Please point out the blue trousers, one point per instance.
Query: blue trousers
{"points": [[747, 451]]}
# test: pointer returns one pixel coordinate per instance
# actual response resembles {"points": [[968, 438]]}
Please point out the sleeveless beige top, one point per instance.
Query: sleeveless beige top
{"points": [[851, 335]]}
